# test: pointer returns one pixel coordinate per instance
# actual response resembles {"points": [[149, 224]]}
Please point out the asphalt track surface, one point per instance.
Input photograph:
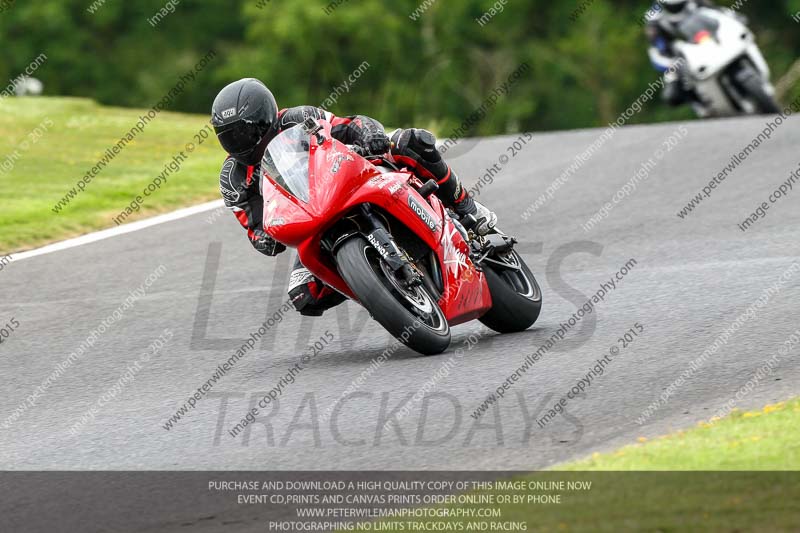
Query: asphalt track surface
{"points": [[693, 277]]}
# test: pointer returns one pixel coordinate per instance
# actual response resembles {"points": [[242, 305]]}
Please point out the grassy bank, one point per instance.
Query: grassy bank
{"points": [[768, 439], [723, 476], [49, 144]]}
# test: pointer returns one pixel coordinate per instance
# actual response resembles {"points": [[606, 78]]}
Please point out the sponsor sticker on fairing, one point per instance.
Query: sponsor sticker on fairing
{"points": [[422, 213]]}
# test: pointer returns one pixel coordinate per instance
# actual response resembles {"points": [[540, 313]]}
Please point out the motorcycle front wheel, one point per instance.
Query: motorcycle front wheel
{"points": [[411, 315], [752, 84]]}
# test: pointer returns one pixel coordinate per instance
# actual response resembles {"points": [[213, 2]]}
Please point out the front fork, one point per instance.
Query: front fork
{"points": [[383, 242], [484, 251]]}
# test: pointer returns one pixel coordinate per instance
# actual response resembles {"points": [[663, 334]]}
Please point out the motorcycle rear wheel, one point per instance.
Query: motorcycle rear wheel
{"points": [[412, 316], [516, 296]]}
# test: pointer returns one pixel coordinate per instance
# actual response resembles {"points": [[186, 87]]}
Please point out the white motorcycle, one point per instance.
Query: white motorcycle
{"points": [[724, 66]]}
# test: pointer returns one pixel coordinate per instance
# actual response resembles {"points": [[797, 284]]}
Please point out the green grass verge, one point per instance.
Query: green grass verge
{"points": [[756, 440], [75, 134], [725, 476]]}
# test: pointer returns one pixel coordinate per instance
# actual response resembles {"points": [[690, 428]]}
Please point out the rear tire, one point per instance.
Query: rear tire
{"points": [[367, 276], [516, 297]]}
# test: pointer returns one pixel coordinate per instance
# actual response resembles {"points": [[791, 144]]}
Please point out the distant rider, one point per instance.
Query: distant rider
{"points": [[662, 22], [246, 118]]}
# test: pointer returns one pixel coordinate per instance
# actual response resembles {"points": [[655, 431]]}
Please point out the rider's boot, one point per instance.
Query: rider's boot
{"points": [[674, 93], [678, 88], [485, 219], [309, 295]]}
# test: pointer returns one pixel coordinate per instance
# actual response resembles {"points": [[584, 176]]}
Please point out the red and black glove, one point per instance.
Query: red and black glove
{"points": [[374, 142], [266, 244]]}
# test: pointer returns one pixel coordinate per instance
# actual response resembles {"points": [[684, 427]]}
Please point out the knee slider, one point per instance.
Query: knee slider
{"points": [[425, 139], [424, 143], [413, 141]]}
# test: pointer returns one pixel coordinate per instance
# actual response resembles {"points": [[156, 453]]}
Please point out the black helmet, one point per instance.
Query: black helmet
{"points": [[245, 118], [674, 6]]}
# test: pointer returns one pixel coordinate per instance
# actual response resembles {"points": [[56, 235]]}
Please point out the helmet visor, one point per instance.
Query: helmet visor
{"points": [[240, 138], [675, 7]]}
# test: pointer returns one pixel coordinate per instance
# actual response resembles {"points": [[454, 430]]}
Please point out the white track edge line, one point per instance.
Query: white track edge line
{"points": [[119, 230]]}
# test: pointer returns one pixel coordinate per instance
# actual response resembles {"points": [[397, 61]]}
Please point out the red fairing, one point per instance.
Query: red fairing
{"points": [[339, 181], [466, 296]]}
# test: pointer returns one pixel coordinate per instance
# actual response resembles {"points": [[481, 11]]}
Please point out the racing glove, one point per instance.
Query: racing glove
{"points": [[374, 142], [266, 244]]}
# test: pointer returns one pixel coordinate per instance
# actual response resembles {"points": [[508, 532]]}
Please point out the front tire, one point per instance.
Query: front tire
{"points": [[412, 316], [516, 296], [753, 85], [766, 103]]}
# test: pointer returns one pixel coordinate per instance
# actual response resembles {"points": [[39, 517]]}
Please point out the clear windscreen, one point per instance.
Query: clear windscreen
{"points": [[286, 161], [696, 23]]}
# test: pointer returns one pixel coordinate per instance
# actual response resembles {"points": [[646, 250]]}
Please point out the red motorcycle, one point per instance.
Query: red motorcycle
{"points": [[378, 235]]}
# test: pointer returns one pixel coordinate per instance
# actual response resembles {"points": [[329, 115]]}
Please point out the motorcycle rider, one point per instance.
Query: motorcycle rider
{"points": [[661, 28], [246, 118]]}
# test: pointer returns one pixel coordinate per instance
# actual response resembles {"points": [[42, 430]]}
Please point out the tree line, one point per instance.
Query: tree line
{"points": [[432, 67]]}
